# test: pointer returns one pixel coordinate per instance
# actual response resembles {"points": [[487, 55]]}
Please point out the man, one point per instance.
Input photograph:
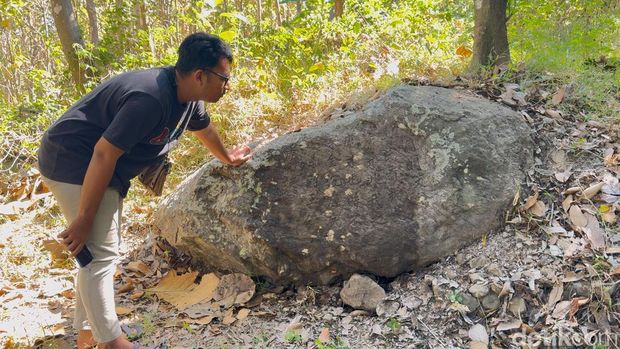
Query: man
{"points": [[88, 156]]}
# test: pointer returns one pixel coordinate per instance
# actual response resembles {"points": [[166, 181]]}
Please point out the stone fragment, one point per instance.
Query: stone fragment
{"points": [[361, 292], [490, 301], [471, 302], [517, 306], [479, 290]]}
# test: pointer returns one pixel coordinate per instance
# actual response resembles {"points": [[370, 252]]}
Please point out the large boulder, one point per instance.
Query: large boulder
{"points": [[407, 180]]}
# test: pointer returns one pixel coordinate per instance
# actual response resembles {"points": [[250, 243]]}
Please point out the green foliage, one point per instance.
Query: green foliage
{"points": [[394, 325], [456, 297], [287, 75], [292, 337], [338, 343]]}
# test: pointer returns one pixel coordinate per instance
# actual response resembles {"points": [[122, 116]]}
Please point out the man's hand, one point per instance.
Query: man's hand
{"points": [[76, 234], [239, 155]]}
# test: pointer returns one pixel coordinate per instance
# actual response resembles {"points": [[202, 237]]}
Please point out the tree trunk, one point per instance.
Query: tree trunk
{"points": [[278, 14], [69, 35], [490, 37], [338, 8], [93, 30], [259, 12]]}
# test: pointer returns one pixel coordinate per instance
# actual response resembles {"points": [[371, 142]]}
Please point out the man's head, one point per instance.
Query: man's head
{"points": [[204, 67]]}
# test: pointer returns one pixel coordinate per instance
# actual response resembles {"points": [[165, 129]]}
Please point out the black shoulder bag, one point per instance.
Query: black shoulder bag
{"points": [[154, 176]]}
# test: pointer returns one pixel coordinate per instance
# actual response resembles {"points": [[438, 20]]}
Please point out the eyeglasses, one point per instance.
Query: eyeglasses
{"points": [[221, 76]]}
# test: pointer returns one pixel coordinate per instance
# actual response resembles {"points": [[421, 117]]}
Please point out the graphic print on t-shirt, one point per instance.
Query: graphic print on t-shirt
{"points": [[162, 138]]}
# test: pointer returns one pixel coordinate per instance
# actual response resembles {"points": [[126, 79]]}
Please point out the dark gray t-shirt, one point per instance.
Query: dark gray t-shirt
{"points": [[135, 111]]}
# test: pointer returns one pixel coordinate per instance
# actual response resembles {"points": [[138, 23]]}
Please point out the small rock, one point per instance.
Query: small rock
{"points": [[451, 274], [577, 289], [471, 302], [494, 269], [387, 308], [328, 317], [360, 292], [356, 313], [460, 258], [478, 262], [412, 302], [491, 301], [517, 306], [479, 290], [475, 277]]}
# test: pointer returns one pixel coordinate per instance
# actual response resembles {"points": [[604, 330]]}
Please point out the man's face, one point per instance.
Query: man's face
{"points": [[214, 82]]}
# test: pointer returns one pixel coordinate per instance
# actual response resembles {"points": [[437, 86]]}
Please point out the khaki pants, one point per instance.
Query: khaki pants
{"points": [[95, 308]]}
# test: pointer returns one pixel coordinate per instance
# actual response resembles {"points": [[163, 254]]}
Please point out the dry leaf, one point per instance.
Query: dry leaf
{"points": [[508, 97], [515, 199], [616, 271], [182, 292], [577, 217], [592, 190], [506, 289], [596, 237], [243, 313], [572, 190], [561, 310], [478, 345], [139, 266], [575, 304], [229, 318], [58, 251], [562, 177], [70, 293], [558, 96], [555, 295], [324, 336], [127, 287], [463, 51], [567, 202], [136, 295], [554, 114], [239, 286], [538, 209], [123, 311], [201, 321], [613, 250], [509, 325], [478, 333], [530, 201]]}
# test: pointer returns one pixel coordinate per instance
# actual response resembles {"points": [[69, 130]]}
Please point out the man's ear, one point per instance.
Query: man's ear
{"points": [[200, 76]]}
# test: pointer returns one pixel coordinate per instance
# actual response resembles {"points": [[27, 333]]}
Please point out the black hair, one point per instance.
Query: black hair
{"points": [[201, 50]]}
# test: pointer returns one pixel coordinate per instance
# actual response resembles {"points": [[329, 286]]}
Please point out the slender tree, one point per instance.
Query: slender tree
{"points": [[278, 13], [490, 37], [338, 8], [70, 36], [93, 29]]}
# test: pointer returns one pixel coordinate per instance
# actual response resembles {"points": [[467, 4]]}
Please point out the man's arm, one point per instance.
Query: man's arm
{"points": [[98, 175], [210, 139]]}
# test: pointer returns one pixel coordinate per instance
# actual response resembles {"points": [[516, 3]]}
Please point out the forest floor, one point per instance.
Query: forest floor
{"points": [[550, 276]]}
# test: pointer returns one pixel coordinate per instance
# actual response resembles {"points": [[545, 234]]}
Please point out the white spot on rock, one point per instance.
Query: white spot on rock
{"points": [[348, 192], [330, 236], [305, 251], [329, 191]]}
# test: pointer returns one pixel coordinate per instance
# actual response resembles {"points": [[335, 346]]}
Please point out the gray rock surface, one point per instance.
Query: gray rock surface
{"points": [[410, 178], [361, 292], [479, 290]]}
